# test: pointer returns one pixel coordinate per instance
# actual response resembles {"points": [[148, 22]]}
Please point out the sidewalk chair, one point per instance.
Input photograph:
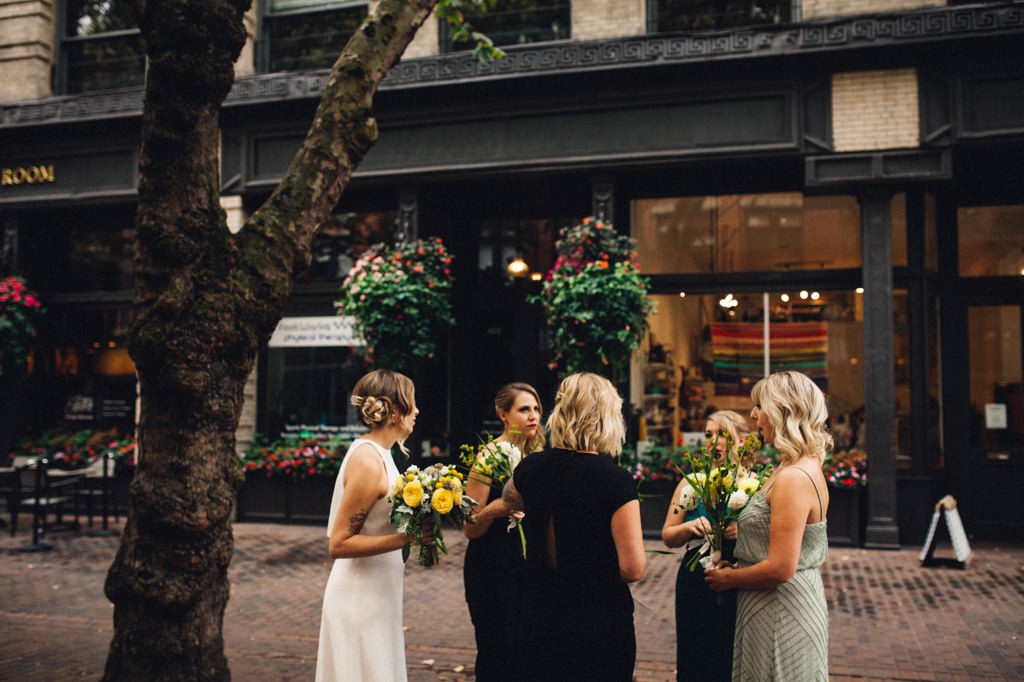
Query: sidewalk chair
{"points": [[93, 485], [50, 491], [10, 491]]}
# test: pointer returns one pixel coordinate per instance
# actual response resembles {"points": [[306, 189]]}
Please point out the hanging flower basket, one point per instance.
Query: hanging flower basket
{"points": [[19, 311], [595, 299], [400, 297]]}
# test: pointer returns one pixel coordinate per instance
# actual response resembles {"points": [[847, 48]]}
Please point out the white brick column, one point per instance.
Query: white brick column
{"points": [[26, 49], [874, 110]]}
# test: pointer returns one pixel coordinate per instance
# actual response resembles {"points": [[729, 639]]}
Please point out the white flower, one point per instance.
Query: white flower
{"points": [[688, 498], [711, 560], [738, 500]]}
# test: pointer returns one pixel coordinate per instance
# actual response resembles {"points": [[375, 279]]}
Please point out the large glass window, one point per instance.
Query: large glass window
{"points": [[697, 15], [747, 233], [308, 34], [102, 47], [516, 22], [705, 352], [306, 386], [991, 240]]}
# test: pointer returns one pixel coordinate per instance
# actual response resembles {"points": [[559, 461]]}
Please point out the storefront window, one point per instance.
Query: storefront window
{"points": [[79, 251], [84, 376], [991, 240], [747, 233], [342, 238], [308, 34], [931, 234], [899, 229], [705, 352], [517, 22], [102, 47], [696, 15], [901, 377]]}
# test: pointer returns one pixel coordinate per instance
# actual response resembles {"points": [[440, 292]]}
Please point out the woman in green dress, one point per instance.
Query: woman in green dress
{"points": [[781, 615], [704, 623]]}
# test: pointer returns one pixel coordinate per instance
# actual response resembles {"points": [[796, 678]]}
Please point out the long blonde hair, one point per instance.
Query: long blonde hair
{"points": [[384, 396], [796, 409], [587, 415], [503, 402]]}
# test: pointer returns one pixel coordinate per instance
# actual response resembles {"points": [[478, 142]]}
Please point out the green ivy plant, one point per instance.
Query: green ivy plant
{"points": [[20, 310], [400, 297], [595, 299]]}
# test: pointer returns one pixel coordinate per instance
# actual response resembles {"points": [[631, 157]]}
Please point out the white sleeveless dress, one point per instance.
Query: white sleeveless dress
{"points": [[361, 637]]}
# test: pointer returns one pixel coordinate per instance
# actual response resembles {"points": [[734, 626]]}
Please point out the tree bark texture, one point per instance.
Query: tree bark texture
{"points": [[205, 301]]}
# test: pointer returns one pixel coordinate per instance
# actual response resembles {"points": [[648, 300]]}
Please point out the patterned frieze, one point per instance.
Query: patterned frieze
{"points": [[837, 34]]}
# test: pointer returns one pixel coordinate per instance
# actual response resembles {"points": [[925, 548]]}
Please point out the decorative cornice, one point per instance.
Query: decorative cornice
{"points": [[918, 26]]}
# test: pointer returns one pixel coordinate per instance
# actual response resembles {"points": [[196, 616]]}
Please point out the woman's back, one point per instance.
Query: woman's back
{"points": [[574, 591]]}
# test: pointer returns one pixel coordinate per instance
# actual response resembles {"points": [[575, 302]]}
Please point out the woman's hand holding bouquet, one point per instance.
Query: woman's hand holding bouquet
{"points": [[421, 500]]}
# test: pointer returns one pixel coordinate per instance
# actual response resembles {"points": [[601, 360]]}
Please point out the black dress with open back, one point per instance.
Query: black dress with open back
{"points": [[577, 617]]}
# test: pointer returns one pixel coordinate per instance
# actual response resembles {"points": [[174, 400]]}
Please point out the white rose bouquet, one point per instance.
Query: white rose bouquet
{"points": [[493, 463], [432, 495], [722, 487]]}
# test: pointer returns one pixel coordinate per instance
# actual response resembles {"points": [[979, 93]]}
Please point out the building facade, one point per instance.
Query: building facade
{"points": [[832, 181]]}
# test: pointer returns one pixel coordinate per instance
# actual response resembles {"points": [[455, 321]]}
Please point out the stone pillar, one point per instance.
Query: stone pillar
{"points": [[879, 374], [26, 49]]}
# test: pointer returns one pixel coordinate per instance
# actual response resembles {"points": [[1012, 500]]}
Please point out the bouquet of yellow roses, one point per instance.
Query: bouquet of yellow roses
{"points": [[429, 495], [723, 487], [493, 463]]}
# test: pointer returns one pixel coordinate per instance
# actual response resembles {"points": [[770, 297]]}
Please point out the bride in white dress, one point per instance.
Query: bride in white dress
{"points": [[361, 637]]}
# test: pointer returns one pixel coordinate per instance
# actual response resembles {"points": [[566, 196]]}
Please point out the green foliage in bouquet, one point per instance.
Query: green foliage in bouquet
{"points": [[296, 458], [595, 299], [400, 296], [20, 310], [429, 496]]}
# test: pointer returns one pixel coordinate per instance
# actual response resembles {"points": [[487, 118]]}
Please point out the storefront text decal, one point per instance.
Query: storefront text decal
{"points": [[304, 332], [32, 175]]}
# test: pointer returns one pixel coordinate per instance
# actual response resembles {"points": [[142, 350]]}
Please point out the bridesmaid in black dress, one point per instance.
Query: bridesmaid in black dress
{"points": [[494, 570], [584, 542], [705, 622]]}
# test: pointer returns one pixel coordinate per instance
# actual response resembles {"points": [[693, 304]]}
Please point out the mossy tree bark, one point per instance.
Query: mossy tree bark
{"points": [[205, 300]]}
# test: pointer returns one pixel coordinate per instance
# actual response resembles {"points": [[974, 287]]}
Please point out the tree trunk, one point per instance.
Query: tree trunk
{"points": [[205, 301]]}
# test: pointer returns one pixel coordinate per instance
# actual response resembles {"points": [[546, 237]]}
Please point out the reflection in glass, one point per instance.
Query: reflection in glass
{"points": [[747, 233], [342, 238], [899, 229], [92, 17], [105, 64], [310, 40], [517, 22], [991, 240], [996, 377], [696, 15]]}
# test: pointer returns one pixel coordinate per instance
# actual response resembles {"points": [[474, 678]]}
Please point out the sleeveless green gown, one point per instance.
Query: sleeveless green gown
{"points": [[781, 632]]}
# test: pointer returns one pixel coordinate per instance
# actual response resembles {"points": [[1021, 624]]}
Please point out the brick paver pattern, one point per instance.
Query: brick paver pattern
{"points": [[890, 619]]}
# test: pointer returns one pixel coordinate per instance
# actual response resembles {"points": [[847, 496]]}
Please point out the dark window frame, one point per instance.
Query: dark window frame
{"points": [[66, 43], [720, 22], [267, 16], [446, 46]]}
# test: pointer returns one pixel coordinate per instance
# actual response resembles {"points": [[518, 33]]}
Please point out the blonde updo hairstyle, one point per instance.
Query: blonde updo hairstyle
{"points": [[796, 409], [503, 402], [384, 397], [587, 415], [733, 423]]}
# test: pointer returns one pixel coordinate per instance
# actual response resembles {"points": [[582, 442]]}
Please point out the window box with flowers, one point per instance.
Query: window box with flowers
{"points": [[595, 300], [290, 480], [846, 473], [400, 297]]}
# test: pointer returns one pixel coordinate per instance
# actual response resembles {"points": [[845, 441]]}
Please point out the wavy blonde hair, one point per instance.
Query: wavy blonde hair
{"points": [[384, 396], [506, 398], [735, 424], [796, 409], [587, 415]]}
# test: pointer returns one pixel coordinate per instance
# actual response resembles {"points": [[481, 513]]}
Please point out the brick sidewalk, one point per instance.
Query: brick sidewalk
{"points": [[890, 619]]}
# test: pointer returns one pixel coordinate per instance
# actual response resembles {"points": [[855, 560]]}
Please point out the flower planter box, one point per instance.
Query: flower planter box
{"points": [[847, 516], [281, 500]]}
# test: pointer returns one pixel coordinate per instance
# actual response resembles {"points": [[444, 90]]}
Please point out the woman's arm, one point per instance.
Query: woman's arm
{"points": [[677, 530], [478, 486], [629, 541], [364, 481], [792, 500]]}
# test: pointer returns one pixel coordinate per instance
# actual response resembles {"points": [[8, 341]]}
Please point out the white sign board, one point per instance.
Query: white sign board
{"points": [[307, 332], [995, 415]]}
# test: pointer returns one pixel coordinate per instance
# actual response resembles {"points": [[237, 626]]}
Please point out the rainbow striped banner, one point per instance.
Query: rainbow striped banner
{"points": [[738, 352]]}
